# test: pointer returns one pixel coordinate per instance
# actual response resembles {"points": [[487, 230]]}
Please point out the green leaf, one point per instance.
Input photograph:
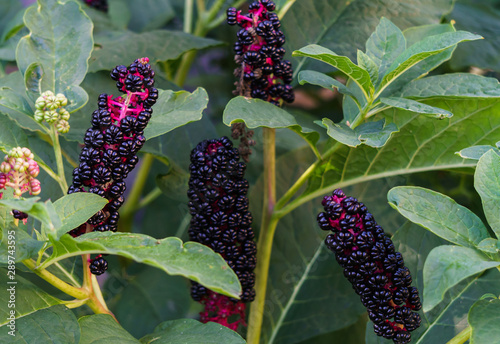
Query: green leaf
{"points": [[149, 14], [257, 113], [439, 214], [40, 211], [342, 63], [191, 260], [77, 208], [385, 45], [175, 109], [18, 109], [414, 106], [323, 80], [365, 62], [373, 134], [489, 245], [102, 329], [476, 120], [487, 185], [119, 13], [29, 299], [11, 136], [448, 265], [193, 332], [421, 50], [56, 324], [60, 40], [335, 24], [26, 246], [158, 45], [483, 318], [152, 301], [482, 17], [476, 152], [456, 85]]}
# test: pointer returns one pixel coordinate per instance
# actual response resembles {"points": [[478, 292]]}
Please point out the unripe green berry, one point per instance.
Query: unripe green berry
{"points": [[39, 115], [64, 114], [62, 126], [51, 116], [61, 99]]}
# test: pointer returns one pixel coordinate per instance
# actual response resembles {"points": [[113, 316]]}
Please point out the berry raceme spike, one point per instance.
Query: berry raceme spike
{"points": [[50, 108], [370, 262], [259, 50], [221, 220], [113, 141]]}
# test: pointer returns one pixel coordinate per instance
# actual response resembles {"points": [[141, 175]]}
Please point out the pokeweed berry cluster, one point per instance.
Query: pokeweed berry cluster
{"points": [[259, 50], [19, 171], [50, 108], [101, 5], [221, 220], [112, 143], [372, 265]]}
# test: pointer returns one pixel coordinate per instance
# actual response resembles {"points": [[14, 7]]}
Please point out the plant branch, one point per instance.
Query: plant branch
{"points": [[78, 293], [188, 16], [265, 242], [462, 337], [128, 209], [54, 135], [150, 197], [285, 8]]}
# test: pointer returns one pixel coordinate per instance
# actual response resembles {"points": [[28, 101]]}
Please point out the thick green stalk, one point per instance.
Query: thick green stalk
{"points": [[78, 293], [188, 16], [265, 242], [128, 209], [462, 337], [59, 160]]}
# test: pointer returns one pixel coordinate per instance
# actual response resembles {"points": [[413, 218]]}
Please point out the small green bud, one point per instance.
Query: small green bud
{"points": [[62, 126], [64, 114], [61, 99], [51, 116], [39, 115]]}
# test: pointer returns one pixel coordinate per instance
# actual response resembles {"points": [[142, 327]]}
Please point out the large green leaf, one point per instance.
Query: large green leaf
{"points": [[175, 109], [193, 332], [373, 134], [60, 40], [123, 47], [192, 260], [487, 184], [77, 208], [448, 265], [28, 298], [439, 214], [422, 144], [18, 109], [103, 329], [482, 17], [149, 14], [258, 113], [152, 301], [476, 152], [456, 85], [385, 44], [423, 49], [483, 319], [25, 246], [342, 63], [11, 136], [335, 25], [56, 325]]}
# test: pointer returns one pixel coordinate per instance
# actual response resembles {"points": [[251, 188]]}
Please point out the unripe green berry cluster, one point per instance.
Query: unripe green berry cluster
{"points": [[50, 108]]}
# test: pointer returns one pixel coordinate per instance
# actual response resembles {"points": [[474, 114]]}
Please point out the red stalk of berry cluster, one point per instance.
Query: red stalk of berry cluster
{"points": [[370, 262], [112, 144]]}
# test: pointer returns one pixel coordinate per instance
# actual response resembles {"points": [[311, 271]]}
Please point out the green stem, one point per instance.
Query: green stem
{"points": [[285, 8], [59, 160], [265, 242], [462, 337], [78, 293], [128, 209], [150, 197], [188, 16]]}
